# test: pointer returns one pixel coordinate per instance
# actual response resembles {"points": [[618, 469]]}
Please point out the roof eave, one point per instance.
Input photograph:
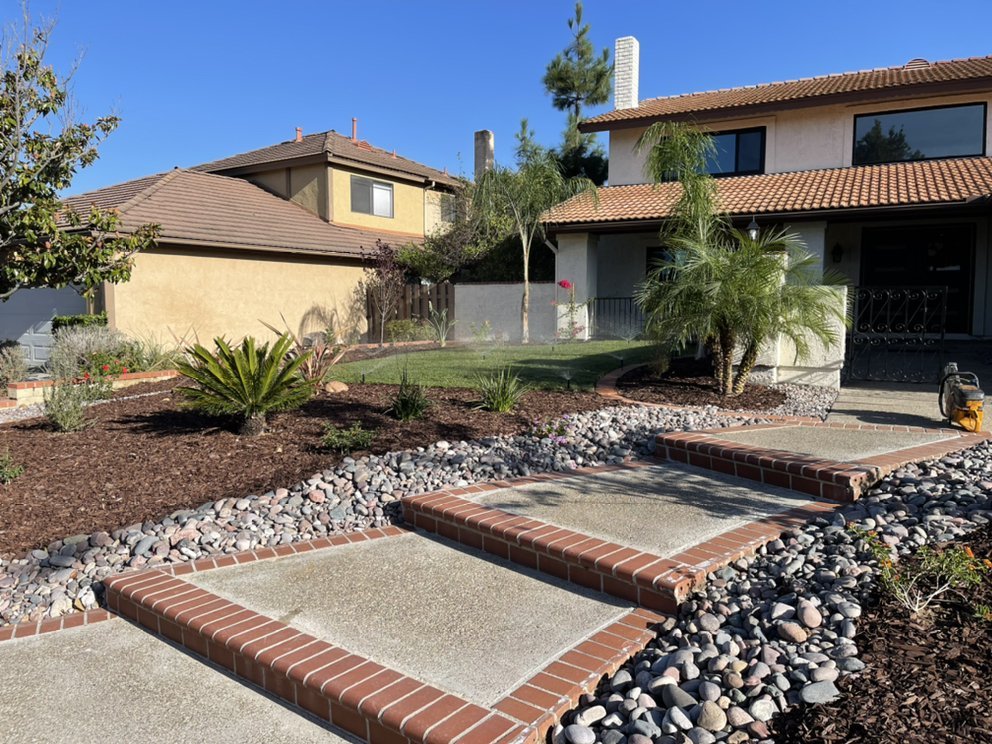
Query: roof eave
{"points": [[179, 242], [954, 87]]}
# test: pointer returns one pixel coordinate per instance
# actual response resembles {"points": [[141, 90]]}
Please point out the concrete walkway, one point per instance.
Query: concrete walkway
{"points": [[112, 682], [891, 403]]}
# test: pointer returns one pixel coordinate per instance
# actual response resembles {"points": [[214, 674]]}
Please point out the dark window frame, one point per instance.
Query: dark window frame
{"points": [[984, 138], [372, 183], [737, 151]]}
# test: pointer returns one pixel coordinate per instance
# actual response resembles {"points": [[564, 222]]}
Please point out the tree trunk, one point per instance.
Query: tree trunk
{"points": [[727, 347], [253, 425], [748, 361], [717, 353], [525, 302]]}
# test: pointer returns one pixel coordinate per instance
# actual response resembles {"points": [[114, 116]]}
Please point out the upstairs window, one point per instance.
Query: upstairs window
{"points": [[371, 197], [738, 153], [919, 134]]}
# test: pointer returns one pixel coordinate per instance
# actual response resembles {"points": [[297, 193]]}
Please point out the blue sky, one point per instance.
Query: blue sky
{"points": [[195, 81]]}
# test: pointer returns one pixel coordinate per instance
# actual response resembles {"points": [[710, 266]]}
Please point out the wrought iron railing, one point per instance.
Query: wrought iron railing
{"points": [[616, 317], [897, 334]]}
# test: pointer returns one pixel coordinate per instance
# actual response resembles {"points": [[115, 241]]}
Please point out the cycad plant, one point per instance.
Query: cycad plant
{"points": [[247, 381], [721, 286]]}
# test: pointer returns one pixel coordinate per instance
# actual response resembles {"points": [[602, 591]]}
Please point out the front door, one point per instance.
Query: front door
{"points": [[923, 256]]}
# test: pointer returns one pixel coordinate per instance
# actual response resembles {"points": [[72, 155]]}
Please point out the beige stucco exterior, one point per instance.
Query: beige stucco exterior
{"points": [[306, 185], [408, 204], [203, 293], [797, 139]]}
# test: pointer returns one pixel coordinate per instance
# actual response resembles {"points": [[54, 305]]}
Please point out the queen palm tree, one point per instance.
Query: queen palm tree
{"points": [[722, 287]]}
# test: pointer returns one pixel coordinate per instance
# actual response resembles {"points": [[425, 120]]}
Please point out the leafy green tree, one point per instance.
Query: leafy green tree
{"points": [[578, 76], [513, 202], [719, 285], [878, 147], [41, 150]]}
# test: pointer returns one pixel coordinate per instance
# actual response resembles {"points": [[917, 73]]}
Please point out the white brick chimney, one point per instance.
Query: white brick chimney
{"points": [[626, 70]]}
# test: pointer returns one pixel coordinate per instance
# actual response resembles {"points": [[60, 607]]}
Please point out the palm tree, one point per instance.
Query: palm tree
{"points": [[513, 202], [721, 286]]}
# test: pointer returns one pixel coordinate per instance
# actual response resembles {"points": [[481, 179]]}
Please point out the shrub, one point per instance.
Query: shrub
{"points": [[918, 581], [501, 391], [353, 438], [13, 363], [408, 330], [439, 324], [60, 322], [150, 354], [83, 349], [247, 381], [318, 351], [65, 404], [8, 468], [410, 401]]}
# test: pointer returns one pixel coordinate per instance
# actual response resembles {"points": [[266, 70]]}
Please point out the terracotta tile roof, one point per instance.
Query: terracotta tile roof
{"points": [[195, 208], [891, 185], [336, 147], [916, 73]]}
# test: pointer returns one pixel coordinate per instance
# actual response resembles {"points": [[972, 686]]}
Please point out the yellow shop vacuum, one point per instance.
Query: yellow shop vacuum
{"points": [[961, 399]]}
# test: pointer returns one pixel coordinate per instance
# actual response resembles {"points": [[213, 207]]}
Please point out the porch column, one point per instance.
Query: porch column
{"points": [[576, 263]]}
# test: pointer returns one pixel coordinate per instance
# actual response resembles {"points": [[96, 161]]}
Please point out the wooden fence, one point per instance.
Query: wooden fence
{"points": [[414, 305]]}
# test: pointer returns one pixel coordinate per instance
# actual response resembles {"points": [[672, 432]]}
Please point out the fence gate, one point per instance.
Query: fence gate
{"points": [[616, 317], [413, 305], [897, 334]]}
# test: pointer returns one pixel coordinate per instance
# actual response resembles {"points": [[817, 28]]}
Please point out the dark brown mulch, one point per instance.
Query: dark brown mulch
{"points": [[689, 382], [144, 458], [926, 680]]}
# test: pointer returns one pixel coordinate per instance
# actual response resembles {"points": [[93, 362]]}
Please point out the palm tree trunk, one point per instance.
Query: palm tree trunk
{"points": [[717, 353], [748, 360], [525, 301], [253, 425], [727, 346]]}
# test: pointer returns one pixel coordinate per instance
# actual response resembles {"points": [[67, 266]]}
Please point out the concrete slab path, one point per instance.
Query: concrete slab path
{"points": [[660, 509], [464, 622], [114, 682], [890, 403], [840, 445]]}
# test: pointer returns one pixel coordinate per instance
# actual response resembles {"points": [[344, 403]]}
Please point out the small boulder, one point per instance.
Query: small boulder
{"points": [[335, 386]]}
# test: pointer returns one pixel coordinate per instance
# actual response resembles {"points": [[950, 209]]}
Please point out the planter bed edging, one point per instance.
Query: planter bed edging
{"points": [[21, 394]]}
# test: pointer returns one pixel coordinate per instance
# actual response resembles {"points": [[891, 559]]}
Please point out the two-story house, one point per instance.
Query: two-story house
{"points": [[883, 173], [252, 239]]}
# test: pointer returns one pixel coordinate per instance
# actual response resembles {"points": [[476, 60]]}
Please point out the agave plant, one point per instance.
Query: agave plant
{"points": [[247, 381]]}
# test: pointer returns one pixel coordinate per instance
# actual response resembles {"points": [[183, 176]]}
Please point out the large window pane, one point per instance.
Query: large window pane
{"points": [[724, 161], [952, 131], [361, 195], [382, 200], [737, 153], [749, 146]]}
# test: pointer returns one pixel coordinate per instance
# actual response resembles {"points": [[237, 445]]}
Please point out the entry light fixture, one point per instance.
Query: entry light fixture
{"points": [[753, 229]]}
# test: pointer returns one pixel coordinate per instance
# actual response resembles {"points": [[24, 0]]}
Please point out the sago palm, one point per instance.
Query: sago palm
{"points": [[247, 381]]}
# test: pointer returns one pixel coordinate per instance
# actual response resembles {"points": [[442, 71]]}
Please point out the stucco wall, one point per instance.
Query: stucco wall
{"points": [[433, 213], [500, 305], [799, 139], [176, 293], [408, 204], [306, 185], [27, 318]]}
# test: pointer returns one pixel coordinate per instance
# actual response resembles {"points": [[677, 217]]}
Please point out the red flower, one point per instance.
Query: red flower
{"points": [[86, 376], [105, 367], [565, 284], [124, 370]]}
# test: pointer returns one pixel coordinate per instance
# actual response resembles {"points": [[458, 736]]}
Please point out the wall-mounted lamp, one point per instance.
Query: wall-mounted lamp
{"points": [[837, 253], [752, 229]]}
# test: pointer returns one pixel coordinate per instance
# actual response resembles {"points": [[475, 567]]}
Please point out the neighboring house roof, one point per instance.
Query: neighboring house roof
{"points": [[916, 77], [205, 209], [955, 181], [334, 147]]}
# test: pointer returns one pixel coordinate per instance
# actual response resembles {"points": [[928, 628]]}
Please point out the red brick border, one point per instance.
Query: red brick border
{"points": [[366, 699], [634, 575], [51, 624], [815, 476]]}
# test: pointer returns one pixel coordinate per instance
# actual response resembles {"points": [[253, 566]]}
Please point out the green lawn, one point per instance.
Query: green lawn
{"points": [[550, 367]]}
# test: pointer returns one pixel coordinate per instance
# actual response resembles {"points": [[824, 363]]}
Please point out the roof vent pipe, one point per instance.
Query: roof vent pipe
{"points": [[354, 129], [299, 134]]}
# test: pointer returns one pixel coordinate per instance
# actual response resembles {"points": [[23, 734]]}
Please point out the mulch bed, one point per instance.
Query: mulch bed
{"points": [[926, 680], [689, 382], [144, 458]]}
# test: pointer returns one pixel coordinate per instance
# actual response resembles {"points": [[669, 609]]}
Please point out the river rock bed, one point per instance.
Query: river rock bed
{"points": [[356, 494], [778, 628]]}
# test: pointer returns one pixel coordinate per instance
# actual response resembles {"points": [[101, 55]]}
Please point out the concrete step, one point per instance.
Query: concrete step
{"points": [[393, 636], [646, 532], [839, 462]]}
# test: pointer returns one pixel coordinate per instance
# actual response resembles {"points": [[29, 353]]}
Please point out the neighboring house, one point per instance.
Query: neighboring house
{"points": [[263, 235], [884, 174]]}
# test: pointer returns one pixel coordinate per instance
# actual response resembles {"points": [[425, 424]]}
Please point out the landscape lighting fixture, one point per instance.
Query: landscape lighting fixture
{"points": [[753, 229]]}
